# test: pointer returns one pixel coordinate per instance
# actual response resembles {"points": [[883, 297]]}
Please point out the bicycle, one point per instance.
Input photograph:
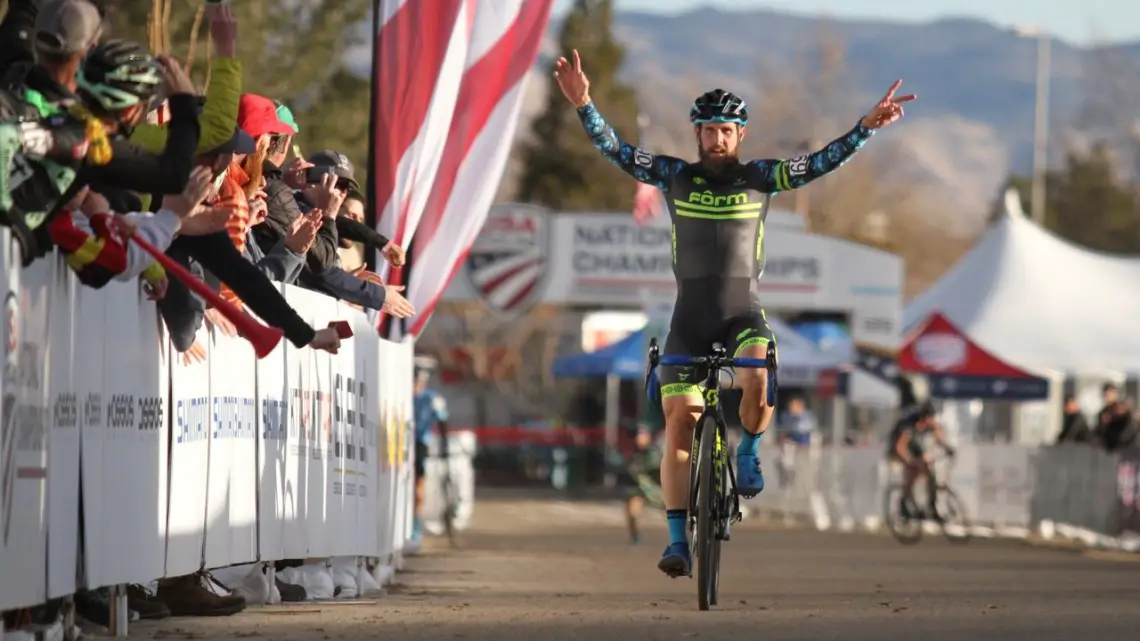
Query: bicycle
{"points": [[714, 505], [905, 522]]}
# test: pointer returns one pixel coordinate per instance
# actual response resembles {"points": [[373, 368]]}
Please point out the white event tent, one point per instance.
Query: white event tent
{"points": [[1039, 302]]}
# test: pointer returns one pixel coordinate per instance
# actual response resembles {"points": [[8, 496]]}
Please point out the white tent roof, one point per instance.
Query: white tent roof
{"points": [[1039, 302]]}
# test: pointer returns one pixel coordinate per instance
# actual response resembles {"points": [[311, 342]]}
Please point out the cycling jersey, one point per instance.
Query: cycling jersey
{"points": [[908, 425], [717, 236]]}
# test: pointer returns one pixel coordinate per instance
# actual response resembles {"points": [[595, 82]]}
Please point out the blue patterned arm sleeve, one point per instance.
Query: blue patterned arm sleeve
{"points": [[642, 165], [771, 176]]}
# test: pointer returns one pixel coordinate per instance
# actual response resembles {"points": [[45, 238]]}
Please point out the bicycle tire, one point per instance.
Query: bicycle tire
{"points": [[905, 531], [707, 510], [449, 509], [714, 598], [962, 522]]}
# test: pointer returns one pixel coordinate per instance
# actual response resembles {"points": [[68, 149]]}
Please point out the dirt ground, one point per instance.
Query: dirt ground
{"points": [[555, 570]]}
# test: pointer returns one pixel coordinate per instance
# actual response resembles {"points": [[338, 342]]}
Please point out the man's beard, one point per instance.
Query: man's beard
{"points": [[719, 163]]}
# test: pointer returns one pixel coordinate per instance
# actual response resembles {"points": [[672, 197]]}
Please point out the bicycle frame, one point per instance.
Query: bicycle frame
{"points": [[715, 363]]}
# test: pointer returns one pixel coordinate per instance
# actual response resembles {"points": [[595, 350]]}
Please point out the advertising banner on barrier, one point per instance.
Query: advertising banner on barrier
{"points": [[64, 440], [189, 456], [23, 441], [232, 478], [133, 460], [207, 458], [277, 459]]}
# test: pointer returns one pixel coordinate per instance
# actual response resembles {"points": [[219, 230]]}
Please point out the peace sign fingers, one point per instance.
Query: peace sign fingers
{"points": [[889, 97]]}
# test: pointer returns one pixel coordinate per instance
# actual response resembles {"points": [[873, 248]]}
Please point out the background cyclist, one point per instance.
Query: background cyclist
{"points": [[430, 411], [907, 447], [717, 207]]}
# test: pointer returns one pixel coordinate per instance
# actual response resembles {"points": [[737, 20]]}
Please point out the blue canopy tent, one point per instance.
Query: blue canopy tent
{"points": [[625, 359]]}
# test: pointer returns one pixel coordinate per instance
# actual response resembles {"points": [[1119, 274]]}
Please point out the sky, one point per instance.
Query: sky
{"points": [[1076, 21]]}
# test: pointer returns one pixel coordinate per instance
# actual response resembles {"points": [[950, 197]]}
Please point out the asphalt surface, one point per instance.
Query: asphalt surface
{"points": [[553, 570]]}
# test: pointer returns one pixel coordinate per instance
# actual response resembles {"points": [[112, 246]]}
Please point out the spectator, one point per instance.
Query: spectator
{"points": [[1074, 426], [217, 254], [1114, 420], [797, 424], [259, 117], [352, 228], [115, 81], [794, 430], [92, 237], [219, 108]]}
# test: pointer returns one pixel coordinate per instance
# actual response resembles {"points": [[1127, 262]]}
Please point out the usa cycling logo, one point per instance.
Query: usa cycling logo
{"points": [[507, 263]]}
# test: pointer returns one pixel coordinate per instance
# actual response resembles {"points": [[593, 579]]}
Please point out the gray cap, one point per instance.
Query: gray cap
{"points": [[67, 27], [338, 163]]}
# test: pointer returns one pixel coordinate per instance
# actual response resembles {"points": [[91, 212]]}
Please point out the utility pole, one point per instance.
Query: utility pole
{"points": [[1040, 121]]}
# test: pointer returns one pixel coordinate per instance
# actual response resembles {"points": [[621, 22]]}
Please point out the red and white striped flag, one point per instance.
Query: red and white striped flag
{"points": [[418, 60], [505, 39], [438, 187]]}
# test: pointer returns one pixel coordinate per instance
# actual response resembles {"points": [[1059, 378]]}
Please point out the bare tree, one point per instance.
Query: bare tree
{"points": [[509, 362]]}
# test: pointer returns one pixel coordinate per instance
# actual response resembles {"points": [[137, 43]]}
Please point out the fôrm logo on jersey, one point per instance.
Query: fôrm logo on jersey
{"points": [[507, 264]]}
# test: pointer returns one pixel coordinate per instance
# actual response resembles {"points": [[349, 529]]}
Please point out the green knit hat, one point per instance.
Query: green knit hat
{"points": [[286, 116]]}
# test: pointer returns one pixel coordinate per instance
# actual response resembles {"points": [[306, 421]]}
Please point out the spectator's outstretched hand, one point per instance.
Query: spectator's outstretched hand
{"points": [[176, 79], [223, 30], [295, 173], [156, 290], [196, 219], [220, 322], [303, 233], [394, 254], [395, 304], [326, 339], [326, 196]]}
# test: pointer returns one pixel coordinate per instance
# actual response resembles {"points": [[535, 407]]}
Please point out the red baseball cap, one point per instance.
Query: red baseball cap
{"points": [[257, 115]]}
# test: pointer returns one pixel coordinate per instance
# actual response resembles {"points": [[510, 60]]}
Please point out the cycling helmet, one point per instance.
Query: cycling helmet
{"points": [[119, 74], [927, 409], [719, 105]]}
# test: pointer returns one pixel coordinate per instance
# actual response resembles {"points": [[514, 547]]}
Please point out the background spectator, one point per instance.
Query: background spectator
{"points": [[1074, 426]]}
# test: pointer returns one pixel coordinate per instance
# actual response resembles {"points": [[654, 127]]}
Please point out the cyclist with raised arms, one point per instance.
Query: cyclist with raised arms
{"points": [[717, 206], [906, 447]]}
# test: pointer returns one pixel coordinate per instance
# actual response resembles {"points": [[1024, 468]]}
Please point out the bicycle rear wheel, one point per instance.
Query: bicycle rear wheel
{"points": [[708, 552], [905, 529], [952, 515]]}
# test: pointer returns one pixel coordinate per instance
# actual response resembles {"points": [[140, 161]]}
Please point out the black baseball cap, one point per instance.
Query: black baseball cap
{"points": [[338, 163], [239, 143]]}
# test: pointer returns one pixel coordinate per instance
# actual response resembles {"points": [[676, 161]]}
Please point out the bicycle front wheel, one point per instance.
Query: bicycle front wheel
{"points": [[708, 557], [952, 515]]}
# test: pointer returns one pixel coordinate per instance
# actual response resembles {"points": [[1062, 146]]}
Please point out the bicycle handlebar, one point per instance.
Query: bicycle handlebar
{"points": [[717, 360], [677, 360]]}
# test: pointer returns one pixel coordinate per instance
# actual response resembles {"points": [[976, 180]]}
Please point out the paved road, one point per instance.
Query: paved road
{"points": [[553, 571]]}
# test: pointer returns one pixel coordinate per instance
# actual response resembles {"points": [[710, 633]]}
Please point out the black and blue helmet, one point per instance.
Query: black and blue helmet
{"points": [[719, 105]]}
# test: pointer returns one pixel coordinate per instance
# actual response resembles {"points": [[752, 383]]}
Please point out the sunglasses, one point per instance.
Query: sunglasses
{"points": [[278, 143]]}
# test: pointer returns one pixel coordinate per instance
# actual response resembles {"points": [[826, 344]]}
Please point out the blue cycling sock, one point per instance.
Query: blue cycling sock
{"points": [[677, 530], [750, 444]]}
